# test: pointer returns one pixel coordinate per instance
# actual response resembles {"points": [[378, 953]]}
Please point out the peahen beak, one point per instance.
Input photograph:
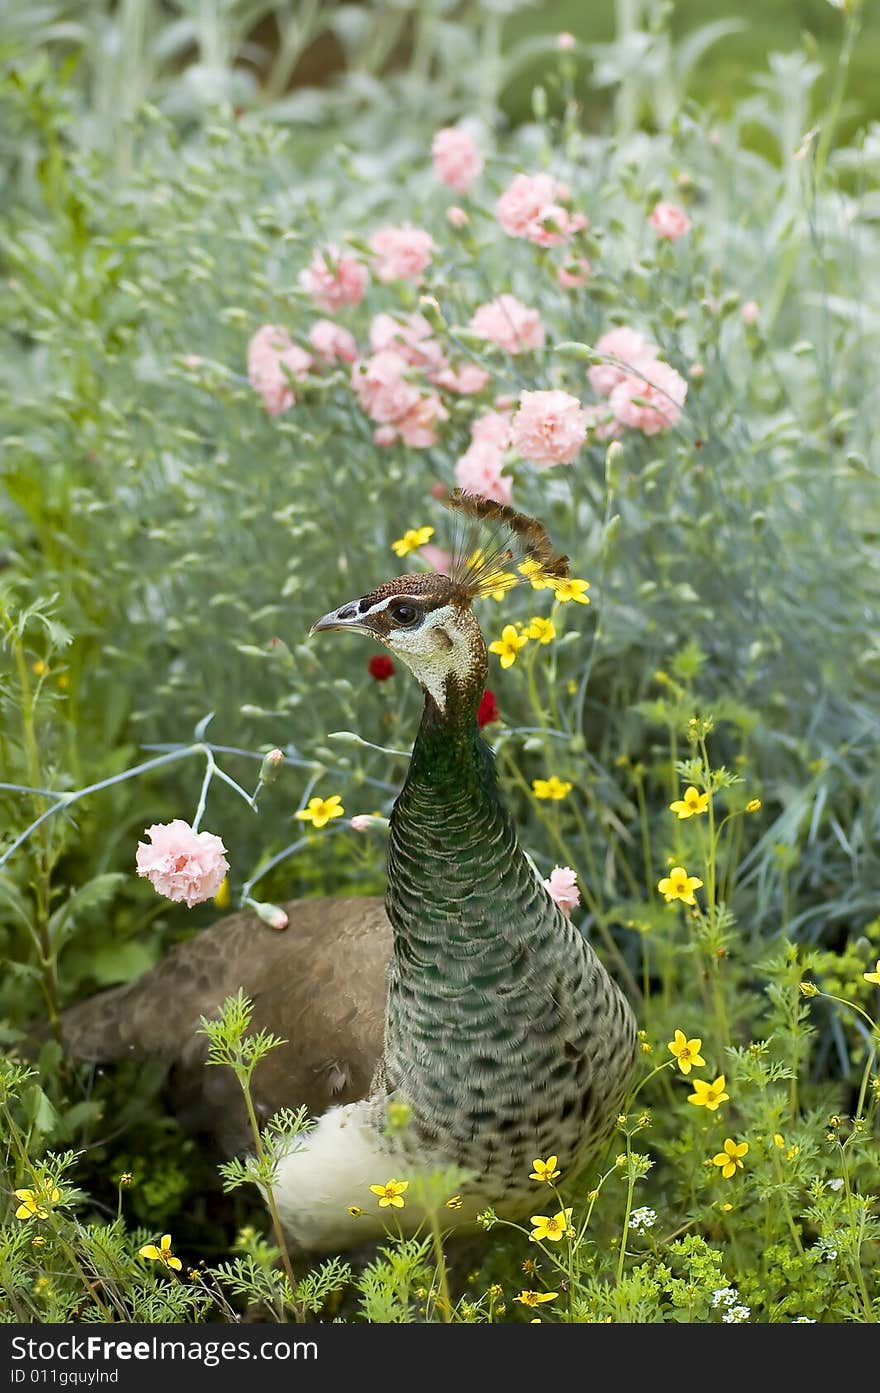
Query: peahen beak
{"points": [[346, 617]]}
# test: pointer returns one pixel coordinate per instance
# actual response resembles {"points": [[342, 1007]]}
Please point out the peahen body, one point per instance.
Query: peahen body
{"points": [[503, 1033]]}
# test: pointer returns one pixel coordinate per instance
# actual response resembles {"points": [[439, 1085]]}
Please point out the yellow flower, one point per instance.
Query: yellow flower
{"points": [[355, 1211], [686, 1051], [391, 1193], [678, 885], [570, 588], [729, 1159], [508, 645], [551, 788], [544, 630], [411, 541], [808, 989], [321, 810], [692, 803], [779, 1140], [534, 572], [753, 805], [40, 668], [501, 582], [33, 1204], [535, 1298], [454, 1202], [221, 899], [545, 1170], [553, 1227], [161, 1254], [873, 976], [709, 1095]]}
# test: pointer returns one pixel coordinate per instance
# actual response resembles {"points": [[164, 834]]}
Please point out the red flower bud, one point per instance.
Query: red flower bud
{"points": [[381, 667], [487, 711]]}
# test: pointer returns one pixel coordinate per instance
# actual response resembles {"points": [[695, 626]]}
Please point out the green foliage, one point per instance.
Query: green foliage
{"points": [[166, 545]]}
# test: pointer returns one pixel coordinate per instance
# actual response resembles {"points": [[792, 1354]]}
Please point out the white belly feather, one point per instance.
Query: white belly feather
{"points": [[331, 1168]]}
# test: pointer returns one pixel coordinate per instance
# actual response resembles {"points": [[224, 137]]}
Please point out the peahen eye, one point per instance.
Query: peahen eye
{"points": [[403, 614]]}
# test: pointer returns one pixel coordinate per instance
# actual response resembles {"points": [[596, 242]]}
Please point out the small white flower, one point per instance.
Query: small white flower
{"points": [[734, 1315], [826, 1247], [725, 1296], [836, 1183], [802, 1320], [642, 1219]]}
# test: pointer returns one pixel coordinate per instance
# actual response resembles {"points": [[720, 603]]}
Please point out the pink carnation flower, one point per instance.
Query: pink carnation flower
{"points": [[478, 470], [532, 208], [492, 429], [331, 342], [602, 421], [334, 279], [505, 321], [629, 347], [465, 381], [669, 221], [650, 399], [438, 559], [381, 387], [457, 217], [411, 336], [402, 253], [562, 887], [182, 864], [750, 312], [272, 359], [574, 274], [384, 436], [457, 161], [418, 427], [549, 428]]}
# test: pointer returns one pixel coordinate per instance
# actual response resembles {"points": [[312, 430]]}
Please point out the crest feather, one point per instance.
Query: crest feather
{"points": [[496, 537]]}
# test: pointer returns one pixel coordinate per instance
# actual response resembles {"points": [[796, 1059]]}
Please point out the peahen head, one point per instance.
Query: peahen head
{"points": [[428, 620]]}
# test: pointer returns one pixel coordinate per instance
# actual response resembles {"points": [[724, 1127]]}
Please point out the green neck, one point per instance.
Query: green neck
{"points": [[447, 826], [503, 1033]]}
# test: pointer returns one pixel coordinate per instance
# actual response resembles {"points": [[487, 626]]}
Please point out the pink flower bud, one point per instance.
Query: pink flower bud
{"points": [[669, 221], [272, 763], [457, 161], [270, 914]]}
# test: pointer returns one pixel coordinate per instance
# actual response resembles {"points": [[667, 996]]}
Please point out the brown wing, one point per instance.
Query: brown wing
{"points": [[319, 984]]}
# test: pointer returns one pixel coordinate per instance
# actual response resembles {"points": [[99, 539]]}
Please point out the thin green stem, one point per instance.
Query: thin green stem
{"points": [[630, 1188], [270, 1193]]}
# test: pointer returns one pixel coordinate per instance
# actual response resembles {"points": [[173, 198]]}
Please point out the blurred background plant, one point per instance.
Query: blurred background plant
{"points": [[167, 172]]}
